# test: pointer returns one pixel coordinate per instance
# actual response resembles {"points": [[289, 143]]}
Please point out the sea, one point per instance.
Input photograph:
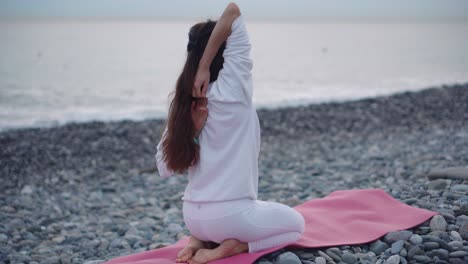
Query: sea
{"points": [[57, 71]]}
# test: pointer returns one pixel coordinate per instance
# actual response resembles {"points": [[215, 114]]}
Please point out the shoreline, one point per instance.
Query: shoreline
{"points": [[293, 103], [88, 191]]}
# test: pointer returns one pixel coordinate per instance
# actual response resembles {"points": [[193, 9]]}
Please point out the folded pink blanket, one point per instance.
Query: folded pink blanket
{"points": [[344, 217]]}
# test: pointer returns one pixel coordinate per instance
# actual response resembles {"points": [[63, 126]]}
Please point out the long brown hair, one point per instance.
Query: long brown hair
{"points": [[180, 150]]}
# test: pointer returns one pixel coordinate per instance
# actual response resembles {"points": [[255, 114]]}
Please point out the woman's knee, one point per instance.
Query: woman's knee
{"points": [[300, 222], [295, 221]]}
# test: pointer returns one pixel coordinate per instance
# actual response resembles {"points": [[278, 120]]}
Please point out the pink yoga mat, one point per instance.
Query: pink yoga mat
{"points": [[344, 217]]}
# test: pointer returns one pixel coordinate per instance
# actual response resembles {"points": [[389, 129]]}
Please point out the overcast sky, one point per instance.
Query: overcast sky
{"points": [[251, 8]]}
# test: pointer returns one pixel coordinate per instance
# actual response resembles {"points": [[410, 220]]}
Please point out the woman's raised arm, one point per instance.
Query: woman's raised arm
{"points": [[220, 33]]}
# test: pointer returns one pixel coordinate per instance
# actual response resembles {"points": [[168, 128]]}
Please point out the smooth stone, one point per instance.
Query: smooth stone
{"points": [[455, 245], [416, 239], [438, 184], [397, 246], [456, 236], [458, 254], [457, 261], [8, 209], [17, 258], [432, 238], [461, 188], [440, 253], [403, 261], [288, 258], [430, 245], [307, 255], [403, 252], [378, 247], [27, 190], [323, 254], [348, 258], [463, 210], [334, 253], [463, 231], [438, 223], [58, 239], [393, 259], [422, 258], [320, 260], [394, 236], [449, 173], [362, 256], [158, 245], [119, 243], [174, 228], [416, 250], [410, 201], [96, 261], [3, 238]]}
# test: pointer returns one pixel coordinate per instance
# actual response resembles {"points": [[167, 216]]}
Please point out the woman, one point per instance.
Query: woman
{"points": [[213, 132]]}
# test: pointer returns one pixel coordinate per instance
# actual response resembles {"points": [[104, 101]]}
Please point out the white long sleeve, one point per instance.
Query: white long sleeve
{"points": [[164, 172], [230, 140]]}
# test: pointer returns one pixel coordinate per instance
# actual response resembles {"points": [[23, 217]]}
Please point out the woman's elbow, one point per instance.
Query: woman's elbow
{"points": [[233, 9]]}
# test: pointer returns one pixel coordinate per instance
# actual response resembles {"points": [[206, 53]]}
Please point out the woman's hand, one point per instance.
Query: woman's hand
{"points": [[199, 114], [200, 85]]}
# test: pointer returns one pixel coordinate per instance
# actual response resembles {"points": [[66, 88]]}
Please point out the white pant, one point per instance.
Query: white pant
{"points": [[261, 224]]}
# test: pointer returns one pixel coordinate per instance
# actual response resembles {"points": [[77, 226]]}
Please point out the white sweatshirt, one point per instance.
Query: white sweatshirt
{"points": [[230, 139]]}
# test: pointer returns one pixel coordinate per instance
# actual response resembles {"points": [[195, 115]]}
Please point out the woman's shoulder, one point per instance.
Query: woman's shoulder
{"points": [[227, 90]]}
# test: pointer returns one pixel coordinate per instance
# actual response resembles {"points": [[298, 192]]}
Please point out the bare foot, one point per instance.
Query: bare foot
{"points": [[227, 248], [187, 252]]}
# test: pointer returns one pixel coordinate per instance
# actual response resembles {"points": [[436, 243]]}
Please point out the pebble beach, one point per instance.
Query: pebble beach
{"points": [[89, 192]]}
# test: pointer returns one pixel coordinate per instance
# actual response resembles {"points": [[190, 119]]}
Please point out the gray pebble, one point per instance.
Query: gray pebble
{"points": [[403, 261], [454, 245], [323, 254], [461, 188], [430, 245], [416, 239], [397, 246], [348, 258], [288, 258], [458, 254], [52, 260], [438, 184], [438, 223], [394, 236], [457, 261], [403, 252], [320, 260], [422, 258], [3, 238], [174, 228], [334, 253], [455, 236], [440, 253], [393, 259], [378, 247], [306, 255], [463, 231], [415, 250], [97, 261], [27, 190]]}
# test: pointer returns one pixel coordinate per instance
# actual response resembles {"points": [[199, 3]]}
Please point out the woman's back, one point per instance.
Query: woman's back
{"points": [[230, 140]]}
